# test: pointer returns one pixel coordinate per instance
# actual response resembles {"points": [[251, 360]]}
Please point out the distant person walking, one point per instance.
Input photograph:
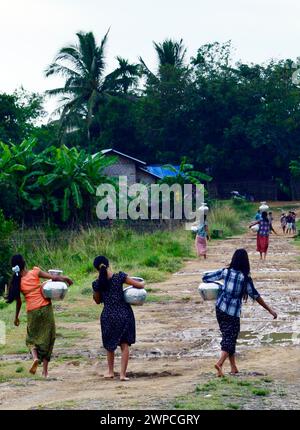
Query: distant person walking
{"points": [[271, 219], [257, 216], [265, 227], [283, 222], [294, 227], [289, 223], [40, 318], [238, 285], [202, 236]]}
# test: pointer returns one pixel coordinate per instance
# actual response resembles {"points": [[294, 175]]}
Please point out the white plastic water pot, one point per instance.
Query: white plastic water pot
{"points": [[209, 290], [255, 228]]}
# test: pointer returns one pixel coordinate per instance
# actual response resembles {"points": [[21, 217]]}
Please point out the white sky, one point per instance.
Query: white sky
{"points": [[32, 31]]}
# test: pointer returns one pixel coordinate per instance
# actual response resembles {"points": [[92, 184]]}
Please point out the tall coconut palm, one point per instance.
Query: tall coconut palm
{"points": [[124, 77], [82, 65], [170, 53]]}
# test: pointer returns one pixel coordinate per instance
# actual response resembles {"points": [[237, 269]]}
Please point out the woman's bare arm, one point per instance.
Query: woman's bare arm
{"points": [[272, 229], [254, 223], [265, 306], [97, 297], [207, 232], [18, 309], [46, 275], [134, 283]]}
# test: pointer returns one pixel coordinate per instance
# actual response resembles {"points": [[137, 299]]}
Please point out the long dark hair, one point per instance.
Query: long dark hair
{"points": [[264, 216], [18, 265], [101, 264], [240, 263]]}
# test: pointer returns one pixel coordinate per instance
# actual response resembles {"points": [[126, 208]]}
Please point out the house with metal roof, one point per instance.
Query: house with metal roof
{"points": [[136, 170]]}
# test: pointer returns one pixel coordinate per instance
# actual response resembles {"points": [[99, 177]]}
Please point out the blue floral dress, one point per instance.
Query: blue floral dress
{"points": [[117, 318]]}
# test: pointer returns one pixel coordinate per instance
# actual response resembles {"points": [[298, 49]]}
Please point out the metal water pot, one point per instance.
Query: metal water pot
{"points": [[135, 296], [263, 207]]}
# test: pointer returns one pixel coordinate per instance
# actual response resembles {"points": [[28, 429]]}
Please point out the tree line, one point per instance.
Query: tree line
{"points": [[232, 120]]}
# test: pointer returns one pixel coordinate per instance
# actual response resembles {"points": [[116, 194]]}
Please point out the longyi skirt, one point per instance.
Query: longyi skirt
{"points": [[230, 329], [41, 331], [262, 243], [201, 245]]}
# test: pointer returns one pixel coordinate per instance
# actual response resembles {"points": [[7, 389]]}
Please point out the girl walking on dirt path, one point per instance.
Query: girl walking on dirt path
{"points": [[283, 222], [117, 318], [265, 227], [289, 223], [40, 318], [202, 236], [238, 285]]}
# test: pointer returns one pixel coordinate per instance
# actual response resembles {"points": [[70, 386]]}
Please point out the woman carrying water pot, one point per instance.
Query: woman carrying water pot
{"points": [[238, 285], [263, 234], [202, 236], [40, 318], [117, 317]]}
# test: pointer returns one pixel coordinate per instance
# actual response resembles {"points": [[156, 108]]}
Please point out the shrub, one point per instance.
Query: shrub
{"points": [[6, 229]]}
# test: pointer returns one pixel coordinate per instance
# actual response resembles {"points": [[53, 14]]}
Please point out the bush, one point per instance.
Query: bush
{"points": [[6, 229]]}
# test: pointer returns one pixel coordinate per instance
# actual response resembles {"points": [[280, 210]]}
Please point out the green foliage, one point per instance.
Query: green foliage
{"points": [[295, 168], [6, 230], [86, 86], [73, 251], [221, 115], [55, 180], [18, 113]]}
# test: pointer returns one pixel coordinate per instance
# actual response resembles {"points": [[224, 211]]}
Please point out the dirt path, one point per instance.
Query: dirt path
{"points": [[178, 341]]}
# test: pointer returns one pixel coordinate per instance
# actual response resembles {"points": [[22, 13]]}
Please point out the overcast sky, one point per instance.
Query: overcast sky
{"points": [[32, 31]]}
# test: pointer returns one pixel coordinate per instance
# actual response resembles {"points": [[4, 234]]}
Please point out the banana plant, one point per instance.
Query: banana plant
{"points": [[54, 180], [74, 178]]}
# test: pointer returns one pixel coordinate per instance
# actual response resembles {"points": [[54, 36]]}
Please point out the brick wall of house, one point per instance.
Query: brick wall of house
{"points": [[123, 167], [144, 178]]}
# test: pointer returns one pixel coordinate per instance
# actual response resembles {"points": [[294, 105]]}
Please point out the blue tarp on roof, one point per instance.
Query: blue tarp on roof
{"points": [[160, 171]]}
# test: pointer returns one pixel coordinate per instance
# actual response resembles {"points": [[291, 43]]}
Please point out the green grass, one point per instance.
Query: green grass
{"points": [[224, 393], [154, 255], [231, 216]]}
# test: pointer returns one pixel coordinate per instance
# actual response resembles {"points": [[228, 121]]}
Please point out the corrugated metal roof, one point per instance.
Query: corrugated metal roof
{"points": [[161, 172], [106, 151]]}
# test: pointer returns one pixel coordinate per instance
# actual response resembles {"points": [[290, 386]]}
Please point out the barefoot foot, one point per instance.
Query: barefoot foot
{"points": [[124, 379], [34, 367], [234, 371], [220, 371], [109, 376]]}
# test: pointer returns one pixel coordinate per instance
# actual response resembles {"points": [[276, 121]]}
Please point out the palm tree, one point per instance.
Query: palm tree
{"points": [[86, 86], [170, 53], [124, 77], [82, 65]]}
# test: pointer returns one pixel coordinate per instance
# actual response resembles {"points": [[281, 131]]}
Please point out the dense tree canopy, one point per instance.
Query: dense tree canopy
{"points": [[231, 120]]}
